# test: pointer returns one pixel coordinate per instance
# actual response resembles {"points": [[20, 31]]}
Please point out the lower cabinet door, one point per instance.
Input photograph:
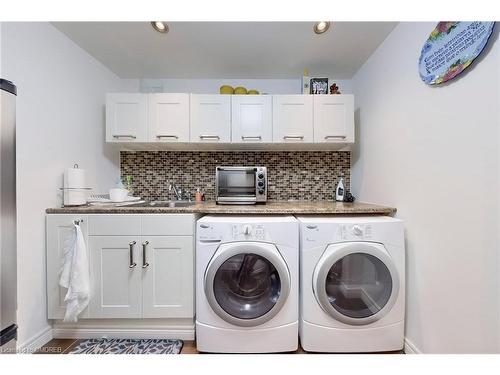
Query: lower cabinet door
{"points": [[168, 276], [115, 270], [60, 234]]}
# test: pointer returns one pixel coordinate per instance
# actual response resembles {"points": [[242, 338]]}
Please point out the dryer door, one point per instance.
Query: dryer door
{"points": [[356, 282], [247, 283]]}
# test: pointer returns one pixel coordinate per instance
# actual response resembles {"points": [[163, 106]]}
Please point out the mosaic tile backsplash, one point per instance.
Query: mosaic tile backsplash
{"points": [[304, 175]]}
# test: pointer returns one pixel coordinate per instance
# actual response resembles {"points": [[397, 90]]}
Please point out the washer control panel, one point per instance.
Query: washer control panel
{"points": [[248, 232]]}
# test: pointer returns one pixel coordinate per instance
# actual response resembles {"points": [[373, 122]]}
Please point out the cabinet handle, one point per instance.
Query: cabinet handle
{"points": [[293, 137], [131, 253], [118, 136], [167, 136], [209, 137], [244, 137], [335, 136], [144, 246]]}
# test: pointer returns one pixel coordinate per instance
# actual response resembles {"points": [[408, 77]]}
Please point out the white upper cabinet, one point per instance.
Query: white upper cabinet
{"points": [[334, 118], [126, 118], [251, 119], [210, 118], [293, 118], [201, 121], [168, 118]]}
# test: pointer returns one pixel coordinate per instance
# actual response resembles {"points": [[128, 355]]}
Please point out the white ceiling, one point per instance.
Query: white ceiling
{"points": [[228, 49]]}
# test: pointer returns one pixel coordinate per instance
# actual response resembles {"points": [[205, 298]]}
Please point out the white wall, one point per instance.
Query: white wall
{"points": [[60, 122], [433, 152], [211, 86]]}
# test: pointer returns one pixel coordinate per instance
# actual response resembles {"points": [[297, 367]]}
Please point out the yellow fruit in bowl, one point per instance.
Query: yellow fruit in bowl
{"points": [[226, 90], [253, 92], [240, 90]]}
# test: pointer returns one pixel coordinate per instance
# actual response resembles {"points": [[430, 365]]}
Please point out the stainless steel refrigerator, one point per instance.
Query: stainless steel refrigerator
{"points": [[8, 274]]}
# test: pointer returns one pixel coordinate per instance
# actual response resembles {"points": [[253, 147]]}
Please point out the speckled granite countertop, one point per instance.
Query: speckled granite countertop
{"points": [[273, 207]]}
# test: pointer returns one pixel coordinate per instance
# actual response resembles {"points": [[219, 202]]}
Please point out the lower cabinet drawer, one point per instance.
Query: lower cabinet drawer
{"points": [[114, 225], [168, 225]]}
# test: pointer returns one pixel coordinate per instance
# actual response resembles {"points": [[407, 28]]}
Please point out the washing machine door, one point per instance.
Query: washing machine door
{"points": [[356, 282], [247, 283]]}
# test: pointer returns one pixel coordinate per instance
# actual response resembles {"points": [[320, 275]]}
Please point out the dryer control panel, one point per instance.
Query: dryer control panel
{"points": [[350, 232], [324, 233]]}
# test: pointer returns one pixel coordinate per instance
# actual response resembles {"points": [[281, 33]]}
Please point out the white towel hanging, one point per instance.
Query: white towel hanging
{"points": [[75, 276]]}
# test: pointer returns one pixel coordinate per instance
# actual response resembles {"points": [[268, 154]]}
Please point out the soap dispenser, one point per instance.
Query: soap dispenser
{"points": [[340, 191], [305, 82]]}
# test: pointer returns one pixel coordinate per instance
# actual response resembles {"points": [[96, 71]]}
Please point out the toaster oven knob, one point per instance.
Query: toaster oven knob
{"points": [[261, 191], [260, 175], [261, 184]]}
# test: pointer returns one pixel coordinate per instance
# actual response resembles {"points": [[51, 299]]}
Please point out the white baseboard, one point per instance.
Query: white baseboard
{"points": [[123, 333], [36, 342], [410, 348]]}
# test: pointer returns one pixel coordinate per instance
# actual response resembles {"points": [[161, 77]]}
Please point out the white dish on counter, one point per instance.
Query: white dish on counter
{"points": [[103, 199]]}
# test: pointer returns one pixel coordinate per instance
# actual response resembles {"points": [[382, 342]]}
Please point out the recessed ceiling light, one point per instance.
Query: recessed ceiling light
{"points": [[321, 27], [160, 26]]}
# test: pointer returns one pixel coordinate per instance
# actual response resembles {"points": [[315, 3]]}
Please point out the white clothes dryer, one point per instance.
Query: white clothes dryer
{"points": [[352, 288]]}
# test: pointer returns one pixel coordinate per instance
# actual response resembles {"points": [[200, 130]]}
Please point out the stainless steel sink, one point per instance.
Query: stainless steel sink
{"points": [[171, 204]]}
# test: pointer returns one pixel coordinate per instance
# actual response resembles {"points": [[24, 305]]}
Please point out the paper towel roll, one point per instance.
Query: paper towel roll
{"points": [[75, 193], [74, 178]]}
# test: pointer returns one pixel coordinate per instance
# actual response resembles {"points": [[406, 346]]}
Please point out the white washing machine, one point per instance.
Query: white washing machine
{"points": [[247, 283], [352, 288]]}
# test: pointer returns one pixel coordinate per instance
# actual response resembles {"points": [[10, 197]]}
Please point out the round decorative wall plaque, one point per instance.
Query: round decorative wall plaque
{"points": [[451, 48]]}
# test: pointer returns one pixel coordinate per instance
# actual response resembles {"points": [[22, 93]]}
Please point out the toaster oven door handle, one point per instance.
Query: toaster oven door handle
{"points": [[236, 168], [237, 199]]}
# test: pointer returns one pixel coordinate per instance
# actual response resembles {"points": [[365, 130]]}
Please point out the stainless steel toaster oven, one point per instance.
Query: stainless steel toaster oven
{"points": [[241, 185]]}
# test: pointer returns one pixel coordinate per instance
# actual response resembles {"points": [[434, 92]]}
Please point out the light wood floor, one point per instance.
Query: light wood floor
{"points": [[64, 346]]}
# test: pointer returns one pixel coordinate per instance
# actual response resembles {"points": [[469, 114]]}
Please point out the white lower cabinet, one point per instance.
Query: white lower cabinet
{"points": [[59, 229], [141, 266], [115, 277], [167, 278]]}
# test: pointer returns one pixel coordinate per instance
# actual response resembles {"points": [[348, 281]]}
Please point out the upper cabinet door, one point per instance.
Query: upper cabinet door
{"points": [[251, 118], [169, 117], [126, 118], [293, 118], [210, 118], [334, 118], [168, 274]]}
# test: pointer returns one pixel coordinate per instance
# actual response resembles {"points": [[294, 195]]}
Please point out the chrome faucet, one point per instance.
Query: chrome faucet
{"points": [[177, 191], [179, 194]]}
